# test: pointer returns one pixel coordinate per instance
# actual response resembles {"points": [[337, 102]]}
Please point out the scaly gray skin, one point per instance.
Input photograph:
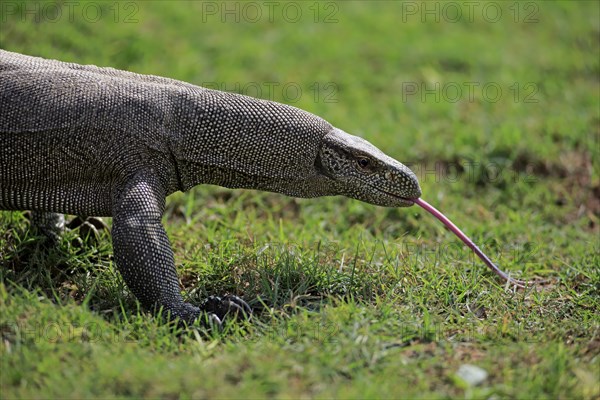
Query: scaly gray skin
{"points": [[96, 141]]}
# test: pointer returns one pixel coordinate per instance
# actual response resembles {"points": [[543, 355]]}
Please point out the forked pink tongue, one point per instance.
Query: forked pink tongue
{"points": [[431, 209]]}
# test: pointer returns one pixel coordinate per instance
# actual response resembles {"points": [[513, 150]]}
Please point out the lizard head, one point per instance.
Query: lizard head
{"points": [[363, 172]]}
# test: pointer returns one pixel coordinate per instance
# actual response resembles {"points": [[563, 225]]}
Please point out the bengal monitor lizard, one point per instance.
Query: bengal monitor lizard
{"points": [[84, 140]]}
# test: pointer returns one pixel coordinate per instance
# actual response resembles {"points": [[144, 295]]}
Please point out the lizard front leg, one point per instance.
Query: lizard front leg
{"points": [[144, 256]]}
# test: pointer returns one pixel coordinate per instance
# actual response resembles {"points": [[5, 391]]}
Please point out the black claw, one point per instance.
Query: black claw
{"points": [[241, 304], [89, 227], [74, 223], [214, 322], [207, 320], [96, 222], [227, 307]]}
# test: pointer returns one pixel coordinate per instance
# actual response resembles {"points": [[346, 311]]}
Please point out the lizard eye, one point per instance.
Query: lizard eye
{"points": [[363, 162]]}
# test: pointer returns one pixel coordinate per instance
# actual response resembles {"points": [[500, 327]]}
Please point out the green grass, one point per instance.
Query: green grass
{"points": [[351, 300]]}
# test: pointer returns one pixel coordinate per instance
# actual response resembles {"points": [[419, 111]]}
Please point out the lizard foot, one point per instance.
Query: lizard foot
{"points": [[88, 227], [226, 307]]}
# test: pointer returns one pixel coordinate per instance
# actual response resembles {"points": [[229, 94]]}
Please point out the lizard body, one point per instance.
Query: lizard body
{"points": [[97, 141]]}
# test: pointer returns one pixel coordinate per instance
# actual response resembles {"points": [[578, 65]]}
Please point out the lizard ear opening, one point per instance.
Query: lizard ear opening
{"points": [[320, 167]]}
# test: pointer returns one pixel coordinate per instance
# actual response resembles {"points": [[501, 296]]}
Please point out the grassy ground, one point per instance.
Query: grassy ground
{"points": [[496, 113]]}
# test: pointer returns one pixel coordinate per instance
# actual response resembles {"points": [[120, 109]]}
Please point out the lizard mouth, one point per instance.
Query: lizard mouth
{"points": [[404, 201]]}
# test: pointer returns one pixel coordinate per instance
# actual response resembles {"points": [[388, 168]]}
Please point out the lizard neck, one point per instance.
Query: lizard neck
{"points": [[241, 142]]}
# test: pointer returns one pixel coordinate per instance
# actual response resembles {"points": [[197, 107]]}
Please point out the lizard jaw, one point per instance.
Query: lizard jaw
{"points": [[398, 201]]}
